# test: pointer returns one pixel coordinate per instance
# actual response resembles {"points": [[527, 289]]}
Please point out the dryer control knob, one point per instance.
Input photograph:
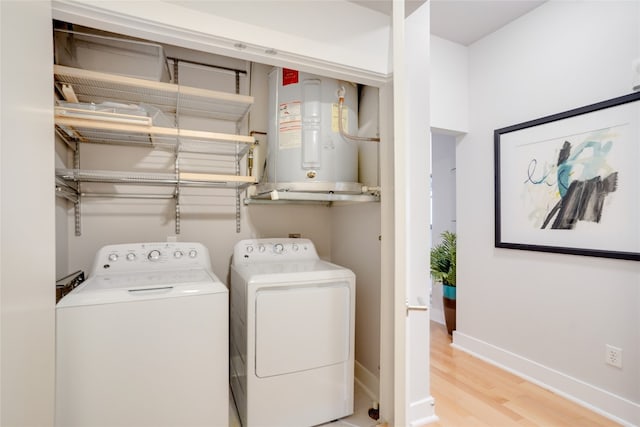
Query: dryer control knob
{"points": [[294, 248], [178, 254], [131, 256], [193, 253], [113, 257], [261, 248], [278, 248], [249, 249], [154, 255]]}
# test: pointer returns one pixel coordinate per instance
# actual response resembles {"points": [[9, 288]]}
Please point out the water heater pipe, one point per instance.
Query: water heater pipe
{"points": [[341, 92]]}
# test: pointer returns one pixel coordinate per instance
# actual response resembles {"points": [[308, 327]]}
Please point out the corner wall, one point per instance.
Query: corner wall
{"points": [[547, 316]]}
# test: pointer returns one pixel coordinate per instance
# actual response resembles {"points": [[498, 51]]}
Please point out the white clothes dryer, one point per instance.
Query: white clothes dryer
{"points": [[144, 341], [292, 334]]}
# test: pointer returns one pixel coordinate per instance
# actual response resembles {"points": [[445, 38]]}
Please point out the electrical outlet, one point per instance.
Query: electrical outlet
{"points": [[613, 356]]}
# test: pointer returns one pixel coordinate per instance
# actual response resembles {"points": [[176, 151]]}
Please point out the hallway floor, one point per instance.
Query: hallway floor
{"points": [[470, 392]]}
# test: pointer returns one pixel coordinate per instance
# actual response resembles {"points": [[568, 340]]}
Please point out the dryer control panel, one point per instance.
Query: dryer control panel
{"points": [[153, 256], [274, 250]]}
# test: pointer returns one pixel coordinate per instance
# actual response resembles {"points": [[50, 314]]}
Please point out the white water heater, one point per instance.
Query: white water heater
{"points": [[306, 151]]}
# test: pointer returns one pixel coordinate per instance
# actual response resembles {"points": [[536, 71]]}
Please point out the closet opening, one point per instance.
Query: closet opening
{"points": [[199, 174]]}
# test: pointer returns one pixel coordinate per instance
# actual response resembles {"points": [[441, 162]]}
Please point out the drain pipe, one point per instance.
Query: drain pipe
{"points": [[345, 135]]}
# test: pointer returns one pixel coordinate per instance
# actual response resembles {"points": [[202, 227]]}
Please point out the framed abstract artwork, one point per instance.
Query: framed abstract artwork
{"points": [[570, 182]]}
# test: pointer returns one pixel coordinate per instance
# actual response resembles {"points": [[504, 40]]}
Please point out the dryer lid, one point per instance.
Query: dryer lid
{"points": [[269, 272]]}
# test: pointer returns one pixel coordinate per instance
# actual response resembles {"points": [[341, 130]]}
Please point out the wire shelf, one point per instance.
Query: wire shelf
{"points": [[92, 86], [188, 179], [79, 122]]}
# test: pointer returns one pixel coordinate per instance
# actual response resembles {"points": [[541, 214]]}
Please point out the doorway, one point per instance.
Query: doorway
{"points": [[443, 203]]}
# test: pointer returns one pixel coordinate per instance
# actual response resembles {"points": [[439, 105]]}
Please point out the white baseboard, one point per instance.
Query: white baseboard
{"points": [[422, 410], [607, 404], [437, 315], [422, 413], [369, 382]]}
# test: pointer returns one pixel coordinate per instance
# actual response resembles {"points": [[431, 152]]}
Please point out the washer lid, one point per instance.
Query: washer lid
{"points": [[130, 287]]}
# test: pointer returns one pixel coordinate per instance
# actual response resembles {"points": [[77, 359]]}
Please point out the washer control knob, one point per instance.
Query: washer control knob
{"points": [[261, 248], [154, 255], [131, 256], [278, 248], [294, 248], [178, 254], [193, 253], [113, 257], [249, 249]]}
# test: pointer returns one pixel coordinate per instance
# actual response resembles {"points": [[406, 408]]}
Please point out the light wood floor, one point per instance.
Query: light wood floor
{"points": [[469, 392]]}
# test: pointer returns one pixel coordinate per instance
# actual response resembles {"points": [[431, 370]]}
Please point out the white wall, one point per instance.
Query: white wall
{"points": [[449, 95], [337, 32], [547, 316], [443, 202], [355, 232], [443, 184], [27, 248]]}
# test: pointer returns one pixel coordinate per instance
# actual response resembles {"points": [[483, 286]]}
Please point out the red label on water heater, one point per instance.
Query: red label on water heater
{"points": [[289, 77]]}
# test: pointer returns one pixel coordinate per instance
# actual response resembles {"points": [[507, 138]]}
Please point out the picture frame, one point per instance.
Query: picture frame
{"points": [[570, 182]]}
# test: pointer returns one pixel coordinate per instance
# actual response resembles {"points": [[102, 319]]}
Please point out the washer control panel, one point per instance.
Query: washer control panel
{"points": [[274, 250], [151, 256]]}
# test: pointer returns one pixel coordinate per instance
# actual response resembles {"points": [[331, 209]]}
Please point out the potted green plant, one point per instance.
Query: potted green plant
{"points": [[443, 269]]}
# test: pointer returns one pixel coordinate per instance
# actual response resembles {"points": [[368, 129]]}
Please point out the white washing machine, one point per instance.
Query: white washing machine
{"points": [[292, 334], [144, 341]]}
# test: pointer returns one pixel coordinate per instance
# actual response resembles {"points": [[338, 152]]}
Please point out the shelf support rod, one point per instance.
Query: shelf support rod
{"points": [[177, 153], [238, 191], [76, 205], [65, 139], [177, 190]]}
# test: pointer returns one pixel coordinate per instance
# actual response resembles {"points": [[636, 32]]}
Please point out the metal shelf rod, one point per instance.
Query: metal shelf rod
{"points": [[128, 196]]}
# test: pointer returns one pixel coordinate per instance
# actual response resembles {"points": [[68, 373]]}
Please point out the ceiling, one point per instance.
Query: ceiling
{"points": [[463, 21]]}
